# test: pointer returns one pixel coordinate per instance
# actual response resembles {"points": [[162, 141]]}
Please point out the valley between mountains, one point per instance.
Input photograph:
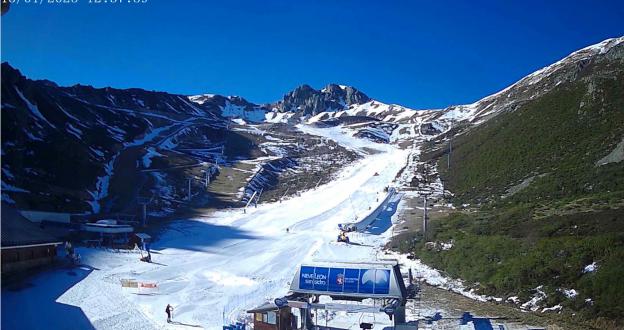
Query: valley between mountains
{"points": [[525, 192]]}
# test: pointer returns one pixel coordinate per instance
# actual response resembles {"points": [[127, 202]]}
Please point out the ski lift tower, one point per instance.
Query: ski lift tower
{"points": [[425, 223], [143, 202]]}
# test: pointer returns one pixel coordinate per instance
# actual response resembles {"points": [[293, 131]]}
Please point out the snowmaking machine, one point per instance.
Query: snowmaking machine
{"points": [[342, 237]]}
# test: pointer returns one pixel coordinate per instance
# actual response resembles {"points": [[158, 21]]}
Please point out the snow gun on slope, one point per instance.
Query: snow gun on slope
{"points": [[342, 237]]}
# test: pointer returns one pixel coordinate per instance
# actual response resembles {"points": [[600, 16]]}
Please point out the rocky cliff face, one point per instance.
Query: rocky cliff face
{"points": [[305, 100]]}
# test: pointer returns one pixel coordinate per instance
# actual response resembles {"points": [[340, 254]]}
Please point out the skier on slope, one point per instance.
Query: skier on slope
{"points": [[169, 310]]}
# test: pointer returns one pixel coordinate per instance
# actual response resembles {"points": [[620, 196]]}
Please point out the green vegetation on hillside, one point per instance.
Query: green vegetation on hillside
{"points": [[510, 254], [541, 209], [556, 138]]}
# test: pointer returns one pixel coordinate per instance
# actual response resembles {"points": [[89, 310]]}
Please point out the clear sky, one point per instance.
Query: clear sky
{"points": [[421, 54]]}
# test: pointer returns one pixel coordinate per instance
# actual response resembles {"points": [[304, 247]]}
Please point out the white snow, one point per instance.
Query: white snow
{"points": [[8, 187], [533, 303], [446, 245], [343, 136], [74, 131], [6, 172], [555, 308], [570, 293], [201, 99], [101, 186], [277, 117], [149, 136], [102, 182], [67, 113], [6, 198], [239, 121], [590, 268], [33, 108], [231, 110], [224, 263], [213, 267], [147, 158], [387, 112], [97, 152]]}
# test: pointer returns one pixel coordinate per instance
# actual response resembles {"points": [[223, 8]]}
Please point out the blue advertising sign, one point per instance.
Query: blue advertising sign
{"points": [[367, 281], [336, 279], [306, 278], [344, 280], [322, 274], [382, 281], [352, 279]]}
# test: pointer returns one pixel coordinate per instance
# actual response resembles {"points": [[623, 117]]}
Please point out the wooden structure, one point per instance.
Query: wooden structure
{"points": [[141, 240], [269, 317], [24, 244]]}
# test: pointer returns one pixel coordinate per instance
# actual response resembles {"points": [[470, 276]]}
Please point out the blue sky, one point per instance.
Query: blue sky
{"points": [[421, 54]]}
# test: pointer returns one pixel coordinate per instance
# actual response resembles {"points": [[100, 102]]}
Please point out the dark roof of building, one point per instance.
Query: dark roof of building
{"points": [[18, 231]]}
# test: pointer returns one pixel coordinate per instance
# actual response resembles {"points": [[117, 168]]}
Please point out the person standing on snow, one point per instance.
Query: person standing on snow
{"points": [[168, 310]]}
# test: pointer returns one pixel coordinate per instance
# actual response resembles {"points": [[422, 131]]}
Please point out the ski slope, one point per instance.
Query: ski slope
{"points": [[212, 268]]}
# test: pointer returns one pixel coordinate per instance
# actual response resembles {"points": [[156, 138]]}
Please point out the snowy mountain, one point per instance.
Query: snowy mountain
{"points": [[49, 131], [305, 100], [537, 169], [314, 107], [547, 150], [568, 69], [60, 145], [81, 149], [231, 106]]}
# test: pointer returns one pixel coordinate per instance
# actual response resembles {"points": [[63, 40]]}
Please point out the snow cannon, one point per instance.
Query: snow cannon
{"points": [[343, 238]]}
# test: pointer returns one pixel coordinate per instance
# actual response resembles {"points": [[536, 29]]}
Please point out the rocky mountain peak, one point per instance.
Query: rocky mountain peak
{"points": [[309, 101]]}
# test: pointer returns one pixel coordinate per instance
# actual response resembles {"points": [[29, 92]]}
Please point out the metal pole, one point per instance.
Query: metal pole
{"points": [[326, 318], [425, 217], [249, 201], [319, 182], [258, 198], [448, 164], [305, 317], [144, 214], [189, 189]]}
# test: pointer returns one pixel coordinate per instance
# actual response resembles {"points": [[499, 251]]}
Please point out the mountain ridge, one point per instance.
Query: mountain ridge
{"points": [[304, 102], [100, 121]]}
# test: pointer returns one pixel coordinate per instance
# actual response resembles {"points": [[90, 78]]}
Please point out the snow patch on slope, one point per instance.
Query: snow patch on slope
{"points": [[231, 110], [33, 108]]}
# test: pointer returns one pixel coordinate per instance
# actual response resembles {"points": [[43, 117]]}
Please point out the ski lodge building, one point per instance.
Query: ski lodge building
{"points": [[24, 245], [271, 317]]}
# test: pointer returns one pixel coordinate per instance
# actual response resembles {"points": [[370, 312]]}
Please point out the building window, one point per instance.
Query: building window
{"points": [[271, 318], [259, 317]]}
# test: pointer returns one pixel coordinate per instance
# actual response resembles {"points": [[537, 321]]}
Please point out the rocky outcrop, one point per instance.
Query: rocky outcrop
{"points": [[306, 100]]}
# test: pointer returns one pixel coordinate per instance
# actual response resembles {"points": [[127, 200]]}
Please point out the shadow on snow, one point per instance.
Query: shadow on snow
{"points": [[197, 235], [383, 221], [32, 303]]}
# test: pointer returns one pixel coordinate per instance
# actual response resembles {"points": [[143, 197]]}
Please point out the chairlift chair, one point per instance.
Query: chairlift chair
{"points": [[369, 324]]}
